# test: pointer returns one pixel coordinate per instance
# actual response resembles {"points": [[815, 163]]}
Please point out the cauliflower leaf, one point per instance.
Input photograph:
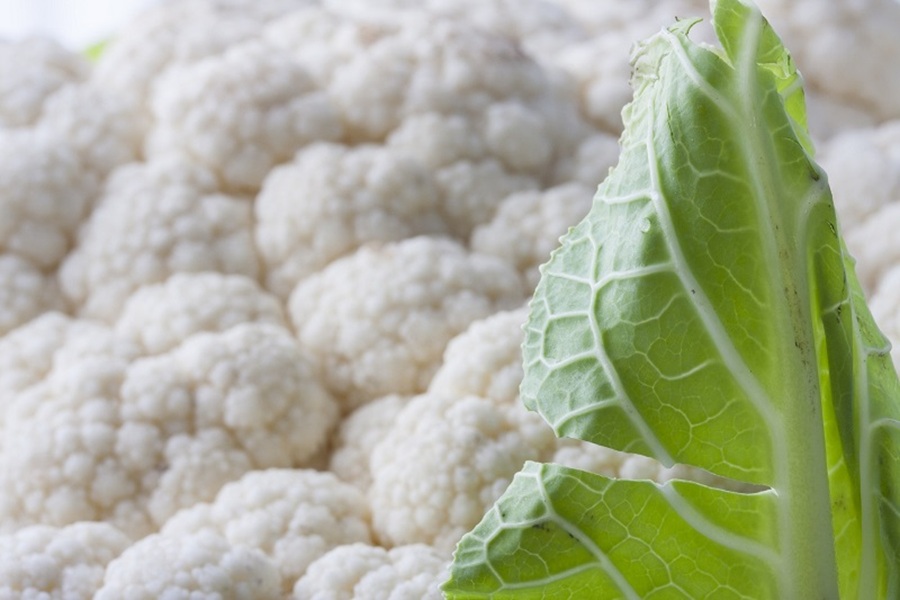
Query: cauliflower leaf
{"points": [[706, 312]]}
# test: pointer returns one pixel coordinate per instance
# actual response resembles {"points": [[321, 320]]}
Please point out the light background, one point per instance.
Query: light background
{"points": [[75, 23]]}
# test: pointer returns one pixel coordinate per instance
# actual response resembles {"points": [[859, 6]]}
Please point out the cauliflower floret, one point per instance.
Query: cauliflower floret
{"points": [[46, 563], [159, 317], [331, 200], [376, 322], [156, 219], [843, 48], [240, 113], [177, 33], [25, 292], [528, 225], [357, 436], [131, 441], [863, 169], [96, 123], [44, 195], [361, 572], [31, 71], [482, 115], [200, 566], [873, 260], [591, 163], [445, 462], [292, 516], [485, 360]]}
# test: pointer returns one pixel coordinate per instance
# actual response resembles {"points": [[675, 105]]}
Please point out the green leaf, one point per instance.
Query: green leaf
{"points": [[705, 312]]}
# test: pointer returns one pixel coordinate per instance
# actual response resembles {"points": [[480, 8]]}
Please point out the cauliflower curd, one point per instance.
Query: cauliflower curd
{"points": [[264, 267]]}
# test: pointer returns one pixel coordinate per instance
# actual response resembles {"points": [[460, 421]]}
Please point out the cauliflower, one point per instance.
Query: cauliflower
{"points": [[156, 219], [291, 516], [177, 33], [49, 563], [333, 199], [528, 225], [159, 317], [376, 322], [264, 266], [25, 292], [203, 565], [240, 113], [484, 116], [362, 572], [44, 195], [485, 360], [444, 463], [357, 436], [131, 440], [31, 71]]}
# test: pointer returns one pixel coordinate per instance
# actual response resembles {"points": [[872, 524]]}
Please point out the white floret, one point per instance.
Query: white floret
{"points": [[358, 434], [96, 123], [292, 516], [48, 563], [528, 225], [203, 566], [591, 163], [384, 70], [332, 199], [875, 245], [176, 33], [25, 292], [445, 462], [471, 180], [107, 435], [376, 322], [863, 167], [240, 113], [32, 70], [159, 317], [156, 219], [485, 360], [44, 194], [361, 572], [52, 342]]}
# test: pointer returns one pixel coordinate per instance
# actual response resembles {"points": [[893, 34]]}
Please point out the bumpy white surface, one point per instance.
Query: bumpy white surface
{"points": [[528, 225], [48, 563], [132, 440], [332, 199], [161, 316], [292, 516], [25, 292], [357, 436], [376, 322], [31, 70], [361, 572], [485, 360], [156, 219], [444, 463], [240, 113], [201, 566]]}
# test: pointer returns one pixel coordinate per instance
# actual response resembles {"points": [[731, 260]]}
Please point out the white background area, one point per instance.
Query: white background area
{"points": [[74, 23]]}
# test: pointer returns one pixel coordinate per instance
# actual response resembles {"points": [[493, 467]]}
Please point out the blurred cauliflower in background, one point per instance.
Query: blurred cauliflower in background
{"points": [[264, 266]]}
